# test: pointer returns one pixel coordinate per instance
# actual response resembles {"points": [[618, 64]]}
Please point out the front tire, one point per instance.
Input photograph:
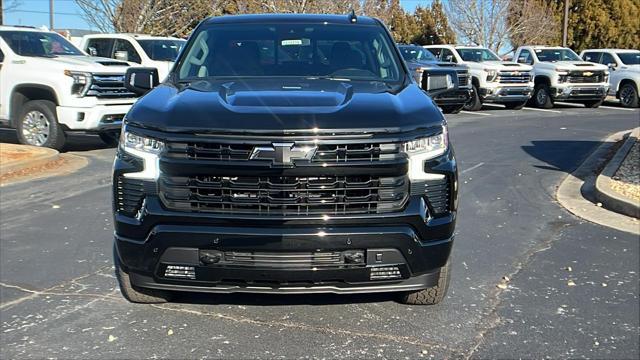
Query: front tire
{"points": [[432, 295], [629, 96], [542, 97], [37, 125], [516, 105], [474, 103], [110, 138], [451, 109], [135, 294]]}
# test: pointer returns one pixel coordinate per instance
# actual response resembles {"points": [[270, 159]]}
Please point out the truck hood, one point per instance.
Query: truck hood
{"points": [[79, 63], [505, 66], [267, 106], [431, 64], [572, 65]]}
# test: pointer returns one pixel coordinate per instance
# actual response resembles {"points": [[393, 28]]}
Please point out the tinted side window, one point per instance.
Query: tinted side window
{"points": [[436, 52], [607, 59], [102, 46], [525, 57], [447, 55], [1, 56], [592, 57], [125, 45]]}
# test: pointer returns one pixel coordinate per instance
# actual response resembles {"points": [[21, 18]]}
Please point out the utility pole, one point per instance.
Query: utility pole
{"points": [[565, 25], [50, 14], [1, 11]]}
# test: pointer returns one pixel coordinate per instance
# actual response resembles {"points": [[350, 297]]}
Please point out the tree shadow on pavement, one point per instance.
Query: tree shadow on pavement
{"points": [[560, 155], [75, 142]]}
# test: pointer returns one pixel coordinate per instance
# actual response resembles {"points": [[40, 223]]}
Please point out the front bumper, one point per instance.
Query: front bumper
{"points": [[455, 97], [502, 94], [101, 117], [579, 92]]}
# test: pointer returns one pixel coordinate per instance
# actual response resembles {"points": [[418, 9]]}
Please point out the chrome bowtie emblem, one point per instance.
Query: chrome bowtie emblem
{"points": [[587, 73], [283, 153]]}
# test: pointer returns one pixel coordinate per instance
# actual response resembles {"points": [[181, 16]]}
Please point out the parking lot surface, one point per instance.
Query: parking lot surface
{"points": [[570, 288]]}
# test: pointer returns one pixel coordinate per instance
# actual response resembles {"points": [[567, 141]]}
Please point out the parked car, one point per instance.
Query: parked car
{"points": [[49, 87], [285, 154], [561, 75], [420, 60], [624, 72], [149, 51], [493, 80]]}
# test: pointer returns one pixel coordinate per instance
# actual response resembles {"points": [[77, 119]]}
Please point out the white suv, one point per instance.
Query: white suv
{"points": [[561, 75], [493, 80], [624, 76], [49, 87], [148, 51]]}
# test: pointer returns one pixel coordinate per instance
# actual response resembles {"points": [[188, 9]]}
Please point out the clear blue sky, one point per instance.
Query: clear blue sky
{"points": [[67, 13]]}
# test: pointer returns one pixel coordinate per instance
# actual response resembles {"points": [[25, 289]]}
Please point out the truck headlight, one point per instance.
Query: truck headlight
{"points": [[492, 75], [422, 149], [81, 82], [146, 148]]}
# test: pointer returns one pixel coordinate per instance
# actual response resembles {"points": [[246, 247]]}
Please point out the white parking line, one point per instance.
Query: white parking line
{"points": [[615, 108], [545, 110], [570, 104], [474, 113], [472, 168]]}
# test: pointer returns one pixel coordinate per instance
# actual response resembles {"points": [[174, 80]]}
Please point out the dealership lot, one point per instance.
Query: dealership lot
{"points": [[60, 299]]}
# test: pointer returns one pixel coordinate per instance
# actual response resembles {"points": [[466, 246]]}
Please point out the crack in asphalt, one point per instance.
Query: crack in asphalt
{"points": [[48, 291], [298, 326], [494, 298]]}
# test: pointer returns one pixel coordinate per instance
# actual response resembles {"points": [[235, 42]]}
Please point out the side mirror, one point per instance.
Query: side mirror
{"points": [[139, 80], [437, 81], [121, 55], [522, 60], [92, 51], [448, 58], [612, 66]]}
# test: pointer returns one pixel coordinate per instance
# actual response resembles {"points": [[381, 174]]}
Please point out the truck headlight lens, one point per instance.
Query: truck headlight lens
{"points": [[492, 75], [81, 82], [145, 148], [433, 146]]}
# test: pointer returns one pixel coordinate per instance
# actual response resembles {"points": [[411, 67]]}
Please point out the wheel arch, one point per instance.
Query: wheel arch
{"points": [[26, 92], [542, 79], [624, 82]]}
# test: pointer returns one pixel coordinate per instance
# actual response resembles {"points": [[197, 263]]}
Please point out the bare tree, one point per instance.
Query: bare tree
{"points": [[533, 22], [103, 14], [481, 22], [7, 7]]}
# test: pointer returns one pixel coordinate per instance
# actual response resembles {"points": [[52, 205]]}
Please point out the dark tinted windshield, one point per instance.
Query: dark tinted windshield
{"points": [[416, 53], [477, 55], [162, 50], [32, 43], [352, 52], [553, 55], [629, 58]]}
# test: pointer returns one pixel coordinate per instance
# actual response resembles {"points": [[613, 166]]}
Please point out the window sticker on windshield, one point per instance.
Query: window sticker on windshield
{"points": [[295, 42]]}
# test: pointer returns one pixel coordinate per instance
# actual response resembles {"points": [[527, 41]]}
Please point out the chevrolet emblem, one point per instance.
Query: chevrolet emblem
{"points": [[587, 73], [283, 154]]}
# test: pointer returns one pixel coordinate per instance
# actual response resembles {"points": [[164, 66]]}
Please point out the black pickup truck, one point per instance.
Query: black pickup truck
{"points": [[285, 154], [420, 60]]}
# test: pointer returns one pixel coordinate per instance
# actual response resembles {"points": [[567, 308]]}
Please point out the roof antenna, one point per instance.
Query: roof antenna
{"points": [[352, 16]]}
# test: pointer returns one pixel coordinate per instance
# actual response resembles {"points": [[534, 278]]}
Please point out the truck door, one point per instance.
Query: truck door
{"points": [[2, 116]]}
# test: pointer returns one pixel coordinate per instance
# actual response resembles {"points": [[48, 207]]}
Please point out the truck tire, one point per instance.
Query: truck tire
{"points": [[516, 105], [593, 104], [37, 125], [629, 96], [542, 97], [110, 138], [133, 294], [432, 295], [474, 103], [451, 109]]}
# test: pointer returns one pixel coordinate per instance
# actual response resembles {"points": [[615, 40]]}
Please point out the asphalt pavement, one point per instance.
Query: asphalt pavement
{"points": [[570, 287]]}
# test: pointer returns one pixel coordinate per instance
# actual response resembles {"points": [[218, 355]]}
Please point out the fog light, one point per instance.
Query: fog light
{"points": [[354, 257], [181, 272], [209, 257], [385, 273]]}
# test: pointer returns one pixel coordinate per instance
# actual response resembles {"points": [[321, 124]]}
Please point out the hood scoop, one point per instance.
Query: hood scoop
{"points": [[511, 65], [112, 63], [583, 64], [286, 96]]}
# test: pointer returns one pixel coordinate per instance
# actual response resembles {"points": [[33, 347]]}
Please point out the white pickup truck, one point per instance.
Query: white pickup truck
{"points": [[493, 80], [49, 87], [146, 50], [561, 75], [624, 77]]}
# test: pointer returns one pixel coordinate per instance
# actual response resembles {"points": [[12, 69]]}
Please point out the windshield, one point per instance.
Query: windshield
{"points": [[162, 50], [629, 58], [553, 55], [342, 52], [416, 53], [477, 55], [32, 43]]}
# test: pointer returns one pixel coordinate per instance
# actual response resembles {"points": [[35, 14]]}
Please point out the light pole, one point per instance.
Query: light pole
{"points": [[50, 14], [566, 23]]}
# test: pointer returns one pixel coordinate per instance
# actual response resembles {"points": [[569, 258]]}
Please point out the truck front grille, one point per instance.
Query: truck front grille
{"points": [[108, 86], [514, 77], [463, 78], [586, 77], [129, 195], [241, 152], [284, 195]]}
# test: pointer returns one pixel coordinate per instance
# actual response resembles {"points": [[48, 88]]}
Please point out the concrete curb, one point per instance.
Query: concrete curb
{"points": [[40, 156], [609, 198], [579, 186]]}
